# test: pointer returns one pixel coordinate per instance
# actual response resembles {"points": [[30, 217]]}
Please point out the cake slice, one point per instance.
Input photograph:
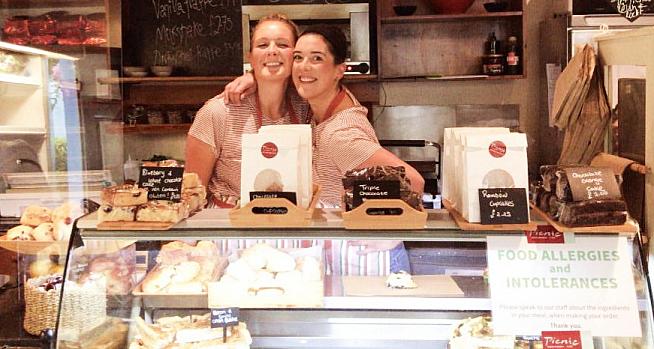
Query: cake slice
{"points": [[162, 211]]}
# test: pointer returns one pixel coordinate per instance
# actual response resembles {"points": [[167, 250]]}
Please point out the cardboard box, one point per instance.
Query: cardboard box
{"points": [[491, 161]]}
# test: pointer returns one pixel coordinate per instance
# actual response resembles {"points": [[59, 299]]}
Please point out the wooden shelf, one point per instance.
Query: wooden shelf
{"points": [[454, 78], [19, 80], [148, 129], [73, 49], [20, 130], [447, 18], [203, 79], [50, 4]]}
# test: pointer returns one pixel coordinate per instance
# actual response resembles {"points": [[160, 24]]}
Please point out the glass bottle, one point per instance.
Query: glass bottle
{"points": [[512, 56]]}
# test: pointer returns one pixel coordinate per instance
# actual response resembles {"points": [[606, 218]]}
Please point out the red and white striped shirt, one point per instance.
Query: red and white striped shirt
{"points": [[221, 126], [342, 142]]}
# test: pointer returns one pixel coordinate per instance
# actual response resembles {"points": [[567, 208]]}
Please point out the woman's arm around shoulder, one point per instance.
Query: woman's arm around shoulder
{"points": [[200, 158]]}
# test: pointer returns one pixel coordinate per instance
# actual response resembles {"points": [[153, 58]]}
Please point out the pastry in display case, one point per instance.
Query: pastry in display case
{"points": [[178, 278]]}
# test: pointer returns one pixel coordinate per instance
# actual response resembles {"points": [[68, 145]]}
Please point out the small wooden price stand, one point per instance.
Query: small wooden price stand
{"points": [[465, 225], [603, 229], [367, 216], [274, 212]]}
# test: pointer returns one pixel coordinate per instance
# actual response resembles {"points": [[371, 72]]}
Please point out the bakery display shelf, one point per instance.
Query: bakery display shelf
{"points": [[465, 225], [449, 18], [31, 247], [466, 77], [627, 228], [130, 226], [364, 217], [122, 128]]}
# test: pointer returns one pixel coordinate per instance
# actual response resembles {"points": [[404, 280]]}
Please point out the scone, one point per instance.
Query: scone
{"points": [[44, 232], [20, 232], [34, 215], [109, 213], [162, 211], [124, 195]]}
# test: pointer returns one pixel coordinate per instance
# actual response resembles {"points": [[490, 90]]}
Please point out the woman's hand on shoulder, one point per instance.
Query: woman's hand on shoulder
{"points": [[238, 89]]}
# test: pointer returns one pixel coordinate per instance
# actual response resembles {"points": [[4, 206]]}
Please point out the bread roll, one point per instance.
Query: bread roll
{"points": [[34, 215], [20, 232], [185, 287], [278, 261], [241, 271], [44, 232], [185, 272], [310, 268], [158, 279], [289, 277]]}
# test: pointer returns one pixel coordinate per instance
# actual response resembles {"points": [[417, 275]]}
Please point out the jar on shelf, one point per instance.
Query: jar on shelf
{"points": [[175, 117], [493, 64], [155, 117]]}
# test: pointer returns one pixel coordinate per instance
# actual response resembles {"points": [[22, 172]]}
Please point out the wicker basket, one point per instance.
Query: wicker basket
{"points": [[83, 308]]}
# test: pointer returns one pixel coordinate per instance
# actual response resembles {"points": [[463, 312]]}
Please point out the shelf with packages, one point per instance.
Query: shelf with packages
{"points": [[353, 307], [148, 129], [445, 44], [201, 79]]}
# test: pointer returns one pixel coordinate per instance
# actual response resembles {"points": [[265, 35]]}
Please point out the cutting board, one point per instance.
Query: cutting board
{"points": [[428, 286]]}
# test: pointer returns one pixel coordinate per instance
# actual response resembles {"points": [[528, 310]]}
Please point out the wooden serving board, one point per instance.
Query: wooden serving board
{"points": [[601, 229], [135, 225], [410, 218], [428, 286], [34, 247], [465, 225]]}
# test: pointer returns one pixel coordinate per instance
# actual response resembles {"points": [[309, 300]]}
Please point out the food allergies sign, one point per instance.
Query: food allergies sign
{"points": [[583, 285]]}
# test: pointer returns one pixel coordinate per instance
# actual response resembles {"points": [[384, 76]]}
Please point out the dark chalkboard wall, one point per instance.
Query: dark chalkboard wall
{"points": [[196, 37]]}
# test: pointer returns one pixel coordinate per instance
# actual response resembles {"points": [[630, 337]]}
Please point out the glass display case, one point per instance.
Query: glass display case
{"points": [[114, 297]]}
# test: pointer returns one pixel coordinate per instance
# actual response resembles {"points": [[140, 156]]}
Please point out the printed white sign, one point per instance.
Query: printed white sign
{"points": [[585, 285]]}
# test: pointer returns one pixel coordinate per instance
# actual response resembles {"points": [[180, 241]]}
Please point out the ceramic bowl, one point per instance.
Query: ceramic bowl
{"points": [[138, 74], [130, 69], [157, 69]]}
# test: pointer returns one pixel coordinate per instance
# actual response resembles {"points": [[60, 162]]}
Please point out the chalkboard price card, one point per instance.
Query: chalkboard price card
{"points": [[300, 2], [224, 317], [195, 37], [367, 190], [503, 206], [290, 196], [162, 183], [587, 183]]}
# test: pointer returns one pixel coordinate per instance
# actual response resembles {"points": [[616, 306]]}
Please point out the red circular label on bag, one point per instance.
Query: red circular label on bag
{"points": [[269, 150], [497, 149]]}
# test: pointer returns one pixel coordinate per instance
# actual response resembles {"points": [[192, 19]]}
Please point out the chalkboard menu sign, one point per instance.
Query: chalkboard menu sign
{"points": [[503, 206], [195, 37], [224, 317], [366, 190], [300, 2], [588, 183], [631, 9], [162, 183]]}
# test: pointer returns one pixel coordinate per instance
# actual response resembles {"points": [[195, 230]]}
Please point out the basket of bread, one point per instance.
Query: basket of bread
{"points": [[84, 306], [41, 227], [262, 276], [182, 273]]}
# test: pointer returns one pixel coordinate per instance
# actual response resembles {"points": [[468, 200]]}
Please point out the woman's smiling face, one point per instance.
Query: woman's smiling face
{"points": [[271, 54], [314, 71]]}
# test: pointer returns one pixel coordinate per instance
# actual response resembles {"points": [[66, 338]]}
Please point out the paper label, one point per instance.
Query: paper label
{"points": [[587, 183], [162, 183], [545, 234], [367, 190], [503, 206], [223, 317]]}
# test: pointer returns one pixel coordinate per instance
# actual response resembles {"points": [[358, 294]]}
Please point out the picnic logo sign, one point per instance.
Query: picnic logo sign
{"points": [[631, 9]]}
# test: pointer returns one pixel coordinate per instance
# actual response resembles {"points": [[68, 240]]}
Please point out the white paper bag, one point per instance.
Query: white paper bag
{"points": [[492, 161], [305, 178], [269, 162]]}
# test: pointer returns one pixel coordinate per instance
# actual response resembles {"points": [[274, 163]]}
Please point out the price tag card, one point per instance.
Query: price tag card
{"points": [[368, 190], [545, 234], [290, 196], [224, 317], [162, 183], [503, 206], [588, 183]]}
